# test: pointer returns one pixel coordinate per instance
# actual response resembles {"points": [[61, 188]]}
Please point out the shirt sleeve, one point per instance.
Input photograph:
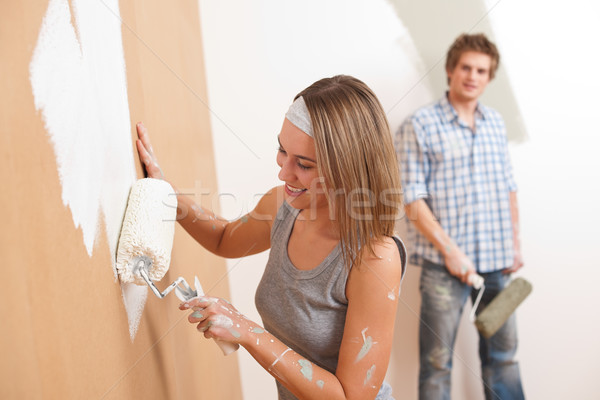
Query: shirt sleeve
{"points": [[508, 170], [411, 151]]}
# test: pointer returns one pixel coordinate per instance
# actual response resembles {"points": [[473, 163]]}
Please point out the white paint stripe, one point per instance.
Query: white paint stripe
{"points": [[278, 358], [79, 85]]}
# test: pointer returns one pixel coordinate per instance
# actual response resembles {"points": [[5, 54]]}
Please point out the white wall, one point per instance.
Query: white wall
{"points": [[260, 54], [549, 56]]}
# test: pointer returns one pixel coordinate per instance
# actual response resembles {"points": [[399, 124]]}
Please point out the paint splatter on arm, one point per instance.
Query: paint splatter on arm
{"points": [[368, 333], [366, 347], [249, 234], [299, 375]]}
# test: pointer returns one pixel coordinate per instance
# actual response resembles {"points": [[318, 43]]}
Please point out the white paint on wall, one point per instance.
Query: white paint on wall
{"points": [[134, 299], [79, 85]]}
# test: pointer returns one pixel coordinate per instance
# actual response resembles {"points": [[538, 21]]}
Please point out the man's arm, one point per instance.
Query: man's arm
{"points": [[514, 215], [457, 263], [414, 165]]}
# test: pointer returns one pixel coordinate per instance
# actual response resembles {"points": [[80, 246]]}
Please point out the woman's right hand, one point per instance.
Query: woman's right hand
{"points": [[146, 153], [220, 320]]}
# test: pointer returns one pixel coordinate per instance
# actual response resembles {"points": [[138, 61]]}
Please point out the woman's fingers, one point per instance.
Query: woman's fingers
{"points": [[215, 318], [144, 137], [198, 302], [151, 167], [146, 153], [197, 316], [145, 157]]}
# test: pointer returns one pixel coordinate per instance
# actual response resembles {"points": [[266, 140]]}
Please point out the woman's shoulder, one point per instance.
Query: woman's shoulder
{"points": [[269, 204], [385, 253], [379, 274], [384, 263]]}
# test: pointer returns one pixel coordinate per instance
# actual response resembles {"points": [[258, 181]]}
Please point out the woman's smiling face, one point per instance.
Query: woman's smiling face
{"points": [[297, 159]]}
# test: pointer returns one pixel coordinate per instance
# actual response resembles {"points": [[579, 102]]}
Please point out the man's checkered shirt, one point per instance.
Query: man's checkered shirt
{"points": [[465, 177]]}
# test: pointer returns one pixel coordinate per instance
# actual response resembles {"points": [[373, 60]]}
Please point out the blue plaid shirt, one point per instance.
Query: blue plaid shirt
{"points": [[465, 177]]}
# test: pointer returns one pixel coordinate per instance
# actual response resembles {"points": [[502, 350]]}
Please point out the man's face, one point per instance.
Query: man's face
{"points": [[470, 76]]}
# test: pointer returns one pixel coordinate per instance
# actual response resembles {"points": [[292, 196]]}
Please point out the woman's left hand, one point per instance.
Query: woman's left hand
{"points": [[146, 153], [219, 319]]}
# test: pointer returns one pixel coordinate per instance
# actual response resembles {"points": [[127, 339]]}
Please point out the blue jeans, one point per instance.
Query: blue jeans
{"points": [[443, 299]]}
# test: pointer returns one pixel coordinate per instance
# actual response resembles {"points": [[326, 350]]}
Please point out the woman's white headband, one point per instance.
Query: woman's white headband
{"points": [[298, 115]]}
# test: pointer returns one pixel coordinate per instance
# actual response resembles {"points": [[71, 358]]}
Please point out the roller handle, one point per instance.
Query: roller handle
{"points": [[226, 347], [476, 281]]}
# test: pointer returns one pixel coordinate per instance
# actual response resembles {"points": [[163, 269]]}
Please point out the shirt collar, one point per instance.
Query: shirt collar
{"points": [[451, 115]]}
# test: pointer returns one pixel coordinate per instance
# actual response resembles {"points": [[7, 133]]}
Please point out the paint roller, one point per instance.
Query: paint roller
{"points": [[491, 319], [146, 240]]}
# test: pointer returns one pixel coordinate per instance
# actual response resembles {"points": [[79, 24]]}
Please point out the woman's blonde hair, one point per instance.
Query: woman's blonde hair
{"points": [[356, 158]]}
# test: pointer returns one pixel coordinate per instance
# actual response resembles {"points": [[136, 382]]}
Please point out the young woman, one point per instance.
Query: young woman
{"points": [[329, 292]]}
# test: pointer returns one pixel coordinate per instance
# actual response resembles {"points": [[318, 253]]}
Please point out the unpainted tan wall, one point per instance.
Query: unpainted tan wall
{"points": [[64, 331]]}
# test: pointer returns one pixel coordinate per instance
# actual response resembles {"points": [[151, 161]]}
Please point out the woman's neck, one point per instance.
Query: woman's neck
{"points": [[318, 223]]}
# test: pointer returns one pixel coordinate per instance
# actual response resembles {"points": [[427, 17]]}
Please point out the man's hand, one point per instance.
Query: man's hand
{"points": [[517, 261], [514, 212], [457, 263]]}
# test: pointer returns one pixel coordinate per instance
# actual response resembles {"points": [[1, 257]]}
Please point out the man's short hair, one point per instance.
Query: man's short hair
{"points": [[476, 42]]}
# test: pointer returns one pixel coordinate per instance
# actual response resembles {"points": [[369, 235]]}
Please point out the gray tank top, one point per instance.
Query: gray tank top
{"points": [[306, 310]]}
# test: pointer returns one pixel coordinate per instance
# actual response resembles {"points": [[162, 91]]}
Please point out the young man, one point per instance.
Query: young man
{"points": [[461, 202]]}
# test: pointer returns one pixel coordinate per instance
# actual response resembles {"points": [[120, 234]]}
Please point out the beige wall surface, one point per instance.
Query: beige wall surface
{"points": [[64, 330]]}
